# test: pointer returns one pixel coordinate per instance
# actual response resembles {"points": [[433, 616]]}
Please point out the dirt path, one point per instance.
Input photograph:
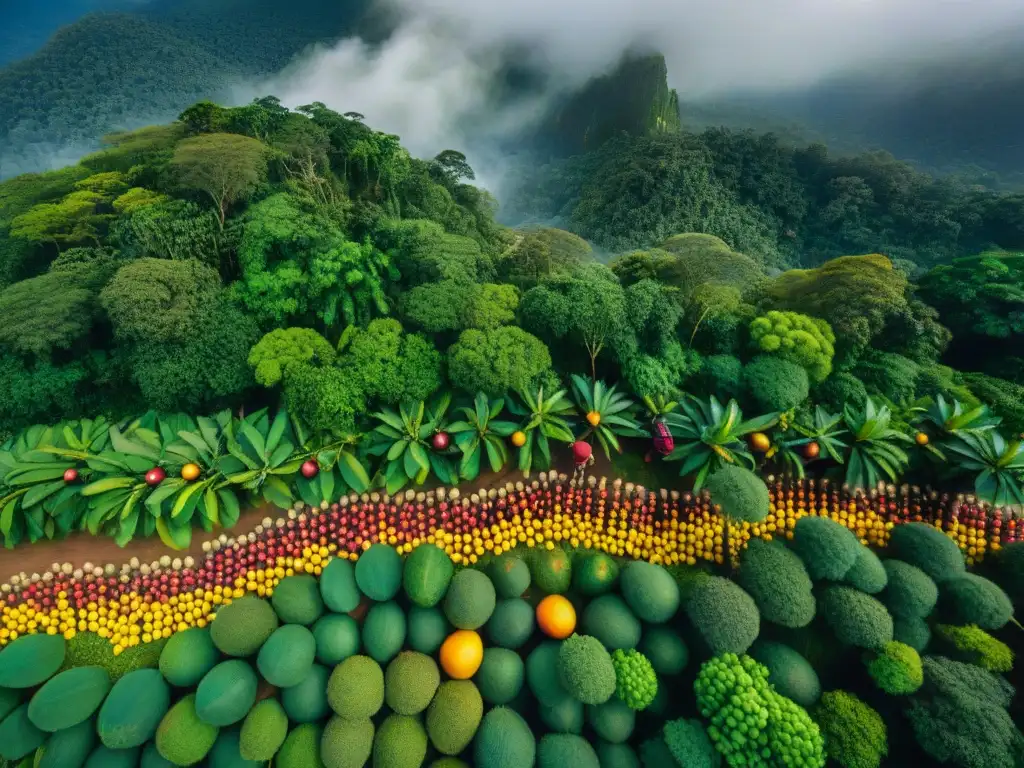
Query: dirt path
{"points": [[80, 548]]}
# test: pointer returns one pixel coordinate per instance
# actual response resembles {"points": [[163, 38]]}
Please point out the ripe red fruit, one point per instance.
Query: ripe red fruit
{"points": [[309, 469], [155, 476], [70, 475], [441, 441]]}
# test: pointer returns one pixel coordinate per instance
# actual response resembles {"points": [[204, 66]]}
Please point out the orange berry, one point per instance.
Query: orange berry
{"points": [[556, 617], [461, 654]]}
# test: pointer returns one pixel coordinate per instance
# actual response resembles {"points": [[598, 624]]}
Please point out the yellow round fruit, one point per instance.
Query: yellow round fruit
{"points": [[519, 439], [190, 472], [462, 652], [593, 418], [556, 617], [759, 442], [921, 438]]}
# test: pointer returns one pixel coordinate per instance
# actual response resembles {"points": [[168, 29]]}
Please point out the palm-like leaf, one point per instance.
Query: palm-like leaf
{"points": [[999, 463], [826, 429], [480, 434], [402, 439], [874, 452], [613, 409], [542, 418], [710, 435]]}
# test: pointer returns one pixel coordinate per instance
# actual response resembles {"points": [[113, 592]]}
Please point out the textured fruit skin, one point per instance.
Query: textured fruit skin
{"points": [[556, 617], [384, 631], [105, 757], [379, 573], [427, 574], [188, 656], [69, 698], [410, 682], [595, 574], [504, 740], [454, 715], [69, 748], [338, 586], [650, 591], [263, 731], [609, 619], [226, 694], [462, 652], [297, 600], [585, 669], [301, 748], [510, 576], [182, 737], [470, 600], [287, 656], [501, 675], [31, 660], [552, 571], [133, 709], [346, 743], [561, 749], [242, 627], [355, 689], [426, 629], [18, 737], [400, 742], [512, 623], [307, 701], [151, 758]]}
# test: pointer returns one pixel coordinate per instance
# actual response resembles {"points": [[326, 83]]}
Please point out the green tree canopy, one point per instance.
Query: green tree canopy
{"points": [[451, 305], [806, 341], [390, 365], [496, 360], [282, 348], [226, 167], [51, 311]]}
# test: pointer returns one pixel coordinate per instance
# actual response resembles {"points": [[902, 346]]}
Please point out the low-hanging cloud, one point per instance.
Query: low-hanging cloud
{"points": [[429, 82]]}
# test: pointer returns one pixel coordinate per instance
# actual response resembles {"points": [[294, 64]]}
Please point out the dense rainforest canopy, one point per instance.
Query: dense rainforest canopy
{"points": [[238, 255]]}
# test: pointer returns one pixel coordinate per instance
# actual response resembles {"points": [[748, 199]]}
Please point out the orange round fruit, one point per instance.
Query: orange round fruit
{"points": [[190, 472], [921, 438], [759, 442], [519, 439], [556, 617], [812, 451], [461, 654], [593, 418]]}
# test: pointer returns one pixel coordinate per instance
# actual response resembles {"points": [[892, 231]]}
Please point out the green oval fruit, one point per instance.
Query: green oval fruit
{"points": [[500, 677], [338, 586], [511, 624], [504, 740], [511, 576], [263, 731], [355, 689], [226, 754], [470, 600], [453, 716], [594, 574], [297, 600], [31, 660], [609, 619], [346, 743], [552, 571], [301, 748], [69, 748], [337, 638], [384, 631], [410, 682], [188, 656], [287, 656], [105, 757], [226, 694], [69, 698], [307, 701], [400, 742], [427, 629], [182, 737], [428, 571], [133, 709], [240, 629], [379, 573]]}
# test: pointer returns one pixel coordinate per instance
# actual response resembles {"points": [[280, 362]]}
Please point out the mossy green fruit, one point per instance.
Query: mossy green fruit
{"points": [[510, 575], [69, 698], [426, 629], [585, 669], [448, 762], [558, 750], [133, 709], [31, 660], [182, 737], [504, 740], [263, 731], [240, 629], [501, 675], [426, 575], [594, 574], [301, 748], [18, 736], [226, 694], [337, 638], [297, 600], [355, 689], [105, 757], [338, 586], [188, 656], [454, 715], [511, 624], [287, 656], [384, 631], [307, 701], [789, 672], [650, 591], [470, 600], [346, 743], [613, 721], [379, 573], [609, 619], [400, 742], [665, 649], [226, 751], [410, 682], [70, 747], [552, 571]]}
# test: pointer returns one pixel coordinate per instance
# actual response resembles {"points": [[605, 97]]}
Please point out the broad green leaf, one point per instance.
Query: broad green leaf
{"points": [[277, 429], [353, 472], [276, 491], [230, 511], [107, 484], [39, 492], [182, 501], [173, 536]]}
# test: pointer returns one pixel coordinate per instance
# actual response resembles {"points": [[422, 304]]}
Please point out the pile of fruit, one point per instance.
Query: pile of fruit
{"points": [[547, 660]]}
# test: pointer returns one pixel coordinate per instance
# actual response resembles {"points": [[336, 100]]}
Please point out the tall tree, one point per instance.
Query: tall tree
{"points": [[225, 166]]}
